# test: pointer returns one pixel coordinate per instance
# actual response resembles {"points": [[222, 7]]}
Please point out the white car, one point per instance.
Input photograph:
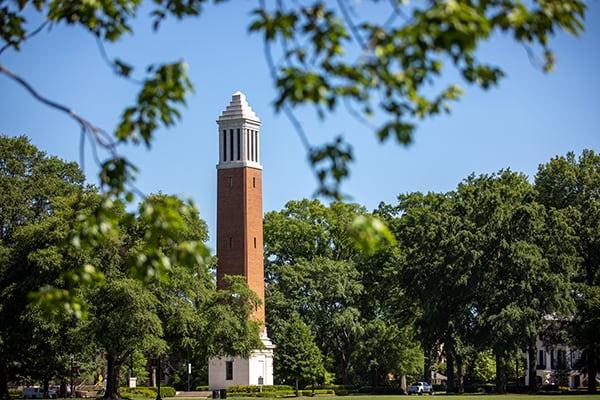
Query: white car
{"points": [[420, 388], [38, 393]]}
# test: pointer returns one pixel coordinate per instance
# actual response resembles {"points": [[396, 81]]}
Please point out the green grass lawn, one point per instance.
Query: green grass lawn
{"points": [[453, 397], [482, 396]]}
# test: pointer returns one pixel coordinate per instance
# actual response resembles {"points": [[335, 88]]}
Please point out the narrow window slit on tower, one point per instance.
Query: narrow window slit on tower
{"points": [[251, 145], [224, 145], [230, 242], [231, 144], [231, 181], [255, 242], [255, 146], [247, 144], [253, 182], [238, 147]]}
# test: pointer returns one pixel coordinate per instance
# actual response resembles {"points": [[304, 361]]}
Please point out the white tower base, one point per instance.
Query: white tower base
{"points": [[228, 371]]}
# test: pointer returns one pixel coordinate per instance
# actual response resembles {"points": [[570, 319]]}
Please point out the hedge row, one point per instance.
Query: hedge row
{"points": [[333, 387], [256, 389], [148, 392], [317, 391], [202, 388], [282, 393]]}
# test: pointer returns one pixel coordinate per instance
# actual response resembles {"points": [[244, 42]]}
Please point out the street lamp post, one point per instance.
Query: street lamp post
{"points": [[72, 387], [158, 380], [189, 374]]}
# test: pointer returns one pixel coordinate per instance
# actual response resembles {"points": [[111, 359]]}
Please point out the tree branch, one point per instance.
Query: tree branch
{"points": [[29, 36], [353, 28], [288, 112], [111, 64], [98, 136]]}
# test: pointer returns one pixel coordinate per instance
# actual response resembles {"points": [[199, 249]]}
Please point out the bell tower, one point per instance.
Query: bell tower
{"points": [[240, 234], [239, 198]]}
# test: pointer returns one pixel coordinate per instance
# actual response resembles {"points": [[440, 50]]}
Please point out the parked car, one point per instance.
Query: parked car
{"points": [[38, 393], [420, 388]]}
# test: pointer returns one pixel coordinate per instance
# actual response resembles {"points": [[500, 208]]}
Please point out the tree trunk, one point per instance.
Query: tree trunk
{"points": [[112, 377], [345, 369], [427, 366], [450, 385], [296, 387], [531, 368], [591, 369], [3, 380], [500, 375], [403, 382], [517, 371], [46, 386], [460, 374]]}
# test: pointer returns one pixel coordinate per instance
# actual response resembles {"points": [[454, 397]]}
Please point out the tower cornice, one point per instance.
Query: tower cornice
{"points": [[238, 109], [239, 135]]}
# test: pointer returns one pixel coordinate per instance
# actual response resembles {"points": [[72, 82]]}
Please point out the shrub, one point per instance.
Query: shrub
{"points": [[202, 388], [15, 393], [317, 392], [167, 391], [473, 388], [261, 394], [148, 392], [512, 388], [256, 389], [439, 388], [333, 387], [487, 387], [343, 392], [140, 391], [549, 388]]}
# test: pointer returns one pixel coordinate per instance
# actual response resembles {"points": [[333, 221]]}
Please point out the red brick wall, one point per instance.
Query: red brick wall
{"points": [[239, 224]]}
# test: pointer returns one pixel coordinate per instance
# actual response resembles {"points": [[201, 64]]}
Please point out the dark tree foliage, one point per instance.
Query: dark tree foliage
{"points": [[314, 270], [572, 185], [62, 297], [484, 267], [39, 201]]}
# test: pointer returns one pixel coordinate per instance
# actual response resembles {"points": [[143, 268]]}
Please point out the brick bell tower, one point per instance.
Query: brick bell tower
{"points": [[240, 235]]}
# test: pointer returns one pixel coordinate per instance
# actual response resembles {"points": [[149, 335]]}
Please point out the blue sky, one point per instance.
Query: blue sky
{"points": [[529, 118]]}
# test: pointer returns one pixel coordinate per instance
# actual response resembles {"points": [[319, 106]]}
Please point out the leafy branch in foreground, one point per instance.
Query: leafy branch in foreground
{"points": [[157, 102], [329, 57], [326, 57]]}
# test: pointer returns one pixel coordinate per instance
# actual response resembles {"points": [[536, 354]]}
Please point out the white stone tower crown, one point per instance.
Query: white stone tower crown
{"points": [[239, 135]]}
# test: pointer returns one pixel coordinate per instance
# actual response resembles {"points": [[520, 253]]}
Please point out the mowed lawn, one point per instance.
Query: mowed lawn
{"points": [[477, 396], [452, 397]]}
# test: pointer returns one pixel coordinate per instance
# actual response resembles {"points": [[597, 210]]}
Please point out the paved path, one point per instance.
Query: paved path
{"points": [[193, 395]]}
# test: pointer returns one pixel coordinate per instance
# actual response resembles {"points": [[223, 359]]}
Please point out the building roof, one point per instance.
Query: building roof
{"points": [[238, 108], [437, 375]]}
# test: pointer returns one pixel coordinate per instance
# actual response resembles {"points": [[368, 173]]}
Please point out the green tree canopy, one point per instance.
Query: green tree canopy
{"points": [[571, 185], [39, 203], [297, 359]]}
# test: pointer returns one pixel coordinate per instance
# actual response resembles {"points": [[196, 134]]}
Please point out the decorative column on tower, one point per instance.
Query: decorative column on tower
{"points": [[240, 235]]}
